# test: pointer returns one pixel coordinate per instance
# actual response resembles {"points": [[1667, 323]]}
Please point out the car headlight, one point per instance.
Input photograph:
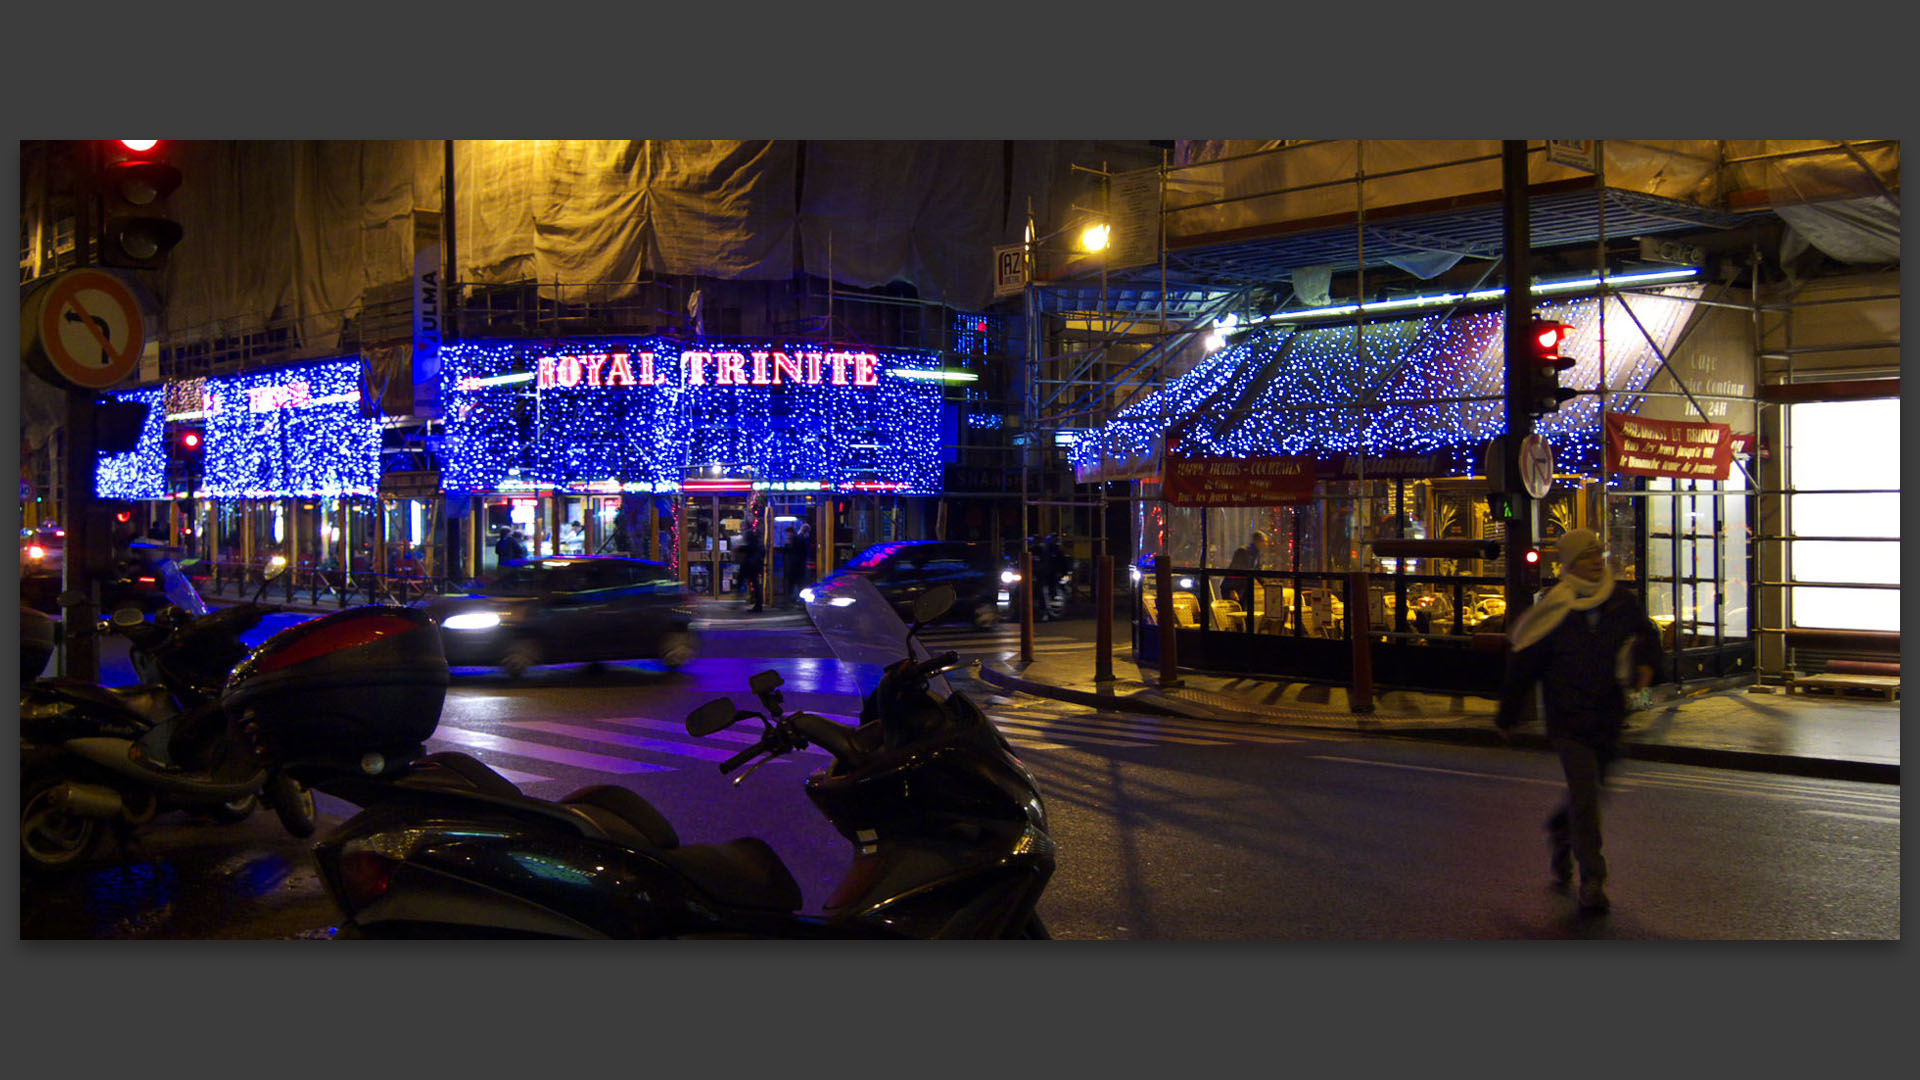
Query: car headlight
{"points": [[841, 601], [472, 620], [806, 595], [1008, 577], [1133, 574]]}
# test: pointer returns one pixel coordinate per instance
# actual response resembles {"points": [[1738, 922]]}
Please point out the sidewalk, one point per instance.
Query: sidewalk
{"points": [[1828, 736]]}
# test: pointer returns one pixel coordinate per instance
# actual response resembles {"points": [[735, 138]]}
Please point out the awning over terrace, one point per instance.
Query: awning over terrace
{"points": [[1415, 385]]}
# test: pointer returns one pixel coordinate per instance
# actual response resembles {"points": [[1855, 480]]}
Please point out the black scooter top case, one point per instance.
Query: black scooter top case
{"points": [[368, 679]]}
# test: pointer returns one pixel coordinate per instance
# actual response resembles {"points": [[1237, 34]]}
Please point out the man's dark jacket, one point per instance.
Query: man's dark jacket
{"points": [[1576, 665]]}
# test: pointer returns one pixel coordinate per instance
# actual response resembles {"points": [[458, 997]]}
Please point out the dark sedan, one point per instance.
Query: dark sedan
{"points": [[904, 569], [567, 609]]}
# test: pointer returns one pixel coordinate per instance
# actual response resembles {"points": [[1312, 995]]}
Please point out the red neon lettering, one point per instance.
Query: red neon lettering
{"points": [[813, 367], [547, 378], [694, 366], [569, 371], [594, 364], [784, 364], [733, 369], [839, 362], [618, 372], [760, 370], [866, 369], [647, 377]]}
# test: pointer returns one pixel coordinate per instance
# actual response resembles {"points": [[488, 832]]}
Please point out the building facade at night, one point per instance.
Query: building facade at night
{"points": [[391, 352]]}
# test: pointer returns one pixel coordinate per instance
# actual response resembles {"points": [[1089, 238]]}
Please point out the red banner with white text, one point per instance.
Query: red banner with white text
{"points": [[1640, 446], [1260, 481]]}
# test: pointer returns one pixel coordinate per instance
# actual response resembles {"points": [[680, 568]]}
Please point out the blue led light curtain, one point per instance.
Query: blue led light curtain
{"points": [[591, 419], [292, 432], [295, 431], [139, 473], [1436, 385]]}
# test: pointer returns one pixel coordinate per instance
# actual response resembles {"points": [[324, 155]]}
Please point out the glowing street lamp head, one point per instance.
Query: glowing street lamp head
{"points": [[1094, 237]]}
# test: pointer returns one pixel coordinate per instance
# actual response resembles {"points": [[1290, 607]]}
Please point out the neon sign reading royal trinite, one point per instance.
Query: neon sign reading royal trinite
{"points": [[719, 368]]}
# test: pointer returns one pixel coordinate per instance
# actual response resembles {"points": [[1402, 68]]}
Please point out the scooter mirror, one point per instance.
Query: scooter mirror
{"points": [[274, 568], [715, 715], [765, 683], [128, 617], [933, 603]]}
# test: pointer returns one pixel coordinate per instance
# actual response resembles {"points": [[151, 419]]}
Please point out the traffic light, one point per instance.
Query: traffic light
{"points": [[1530, 566], [136, 177], [186, 446], [1540, 385]]}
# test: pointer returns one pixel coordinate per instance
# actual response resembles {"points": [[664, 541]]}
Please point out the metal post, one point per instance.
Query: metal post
{"points": [[82, 651], [1360, 633], [1519, 313], [1027, 584], [1163, 600], [1103, 619]]}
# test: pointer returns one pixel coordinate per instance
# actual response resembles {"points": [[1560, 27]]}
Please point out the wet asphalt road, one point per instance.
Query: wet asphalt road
{"points": [[1169, 829]]}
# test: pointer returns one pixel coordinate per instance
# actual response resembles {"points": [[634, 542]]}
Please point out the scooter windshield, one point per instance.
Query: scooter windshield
{"points": [[860, 626], [179, 591]]}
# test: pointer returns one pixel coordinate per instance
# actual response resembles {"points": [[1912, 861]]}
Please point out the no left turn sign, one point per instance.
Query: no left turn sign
{"points": [[1536, 466], [89, 328]]}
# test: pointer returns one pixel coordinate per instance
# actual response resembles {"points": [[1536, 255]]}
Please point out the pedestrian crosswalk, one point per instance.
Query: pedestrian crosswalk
{"points": [[996, 641], [581, 750]]}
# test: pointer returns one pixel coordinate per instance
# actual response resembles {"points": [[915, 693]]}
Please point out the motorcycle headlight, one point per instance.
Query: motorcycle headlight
{"points": [[806, 595], [1008, 577], [472, 620]]}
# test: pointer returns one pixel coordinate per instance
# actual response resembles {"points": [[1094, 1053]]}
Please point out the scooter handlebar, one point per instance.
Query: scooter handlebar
{"points": [[741, 758]]}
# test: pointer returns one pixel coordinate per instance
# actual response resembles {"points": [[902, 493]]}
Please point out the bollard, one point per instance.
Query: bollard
{"points": [[1360, 632], [1103, 621]]}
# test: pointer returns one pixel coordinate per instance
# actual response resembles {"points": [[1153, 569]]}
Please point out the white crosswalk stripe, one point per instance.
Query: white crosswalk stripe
{"points": [[1087, 727]]}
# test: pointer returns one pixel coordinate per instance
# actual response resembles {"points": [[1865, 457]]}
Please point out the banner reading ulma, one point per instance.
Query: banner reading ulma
{"points": [[1639, 446]]}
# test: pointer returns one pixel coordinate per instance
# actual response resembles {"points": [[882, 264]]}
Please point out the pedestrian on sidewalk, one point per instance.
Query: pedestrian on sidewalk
{"points": [[509, 547], [751, 556], [1585, 642], [799, 550]]}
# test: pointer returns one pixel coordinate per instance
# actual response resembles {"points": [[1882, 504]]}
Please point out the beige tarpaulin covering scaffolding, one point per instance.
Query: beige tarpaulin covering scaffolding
{"points": [[338, 218]]}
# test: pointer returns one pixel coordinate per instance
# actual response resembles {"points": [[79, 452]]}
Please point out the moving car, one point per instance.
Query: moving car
{"points": [[903, 569], [567, 609]]}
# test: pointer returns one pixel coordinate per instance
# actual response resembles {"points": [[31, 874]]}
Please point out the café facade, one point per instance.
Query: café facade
{"points": [[683, 445], [1328, 437]]}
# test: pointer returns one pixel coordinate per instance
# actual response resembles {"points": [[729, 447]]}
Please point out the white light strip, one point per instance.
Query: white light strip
{"points": [[935, 376], [1648, 278], [497, 380]]}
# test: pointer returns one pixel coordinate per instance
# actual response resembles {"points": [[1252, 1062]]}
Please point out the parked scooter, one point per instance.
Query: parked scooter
{"points": [[948, 828], [95, 759]]}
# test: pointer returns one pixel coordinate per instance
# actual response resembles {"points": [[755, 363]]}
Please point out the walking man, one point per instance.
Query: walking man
{"points": [[752, 558], [1585, 642]]}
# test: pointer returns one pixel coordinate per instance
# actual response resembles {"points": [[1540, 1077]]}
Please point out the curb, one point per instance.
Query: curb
{"points": [[1147, 701]]}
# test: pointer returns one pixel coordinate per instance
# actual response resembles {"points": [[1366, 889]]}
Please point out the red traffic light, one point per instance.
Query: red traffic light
{"points": [[1547, 336], [190, 440], [123, 516], [138, 146], [1532, 557]]}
